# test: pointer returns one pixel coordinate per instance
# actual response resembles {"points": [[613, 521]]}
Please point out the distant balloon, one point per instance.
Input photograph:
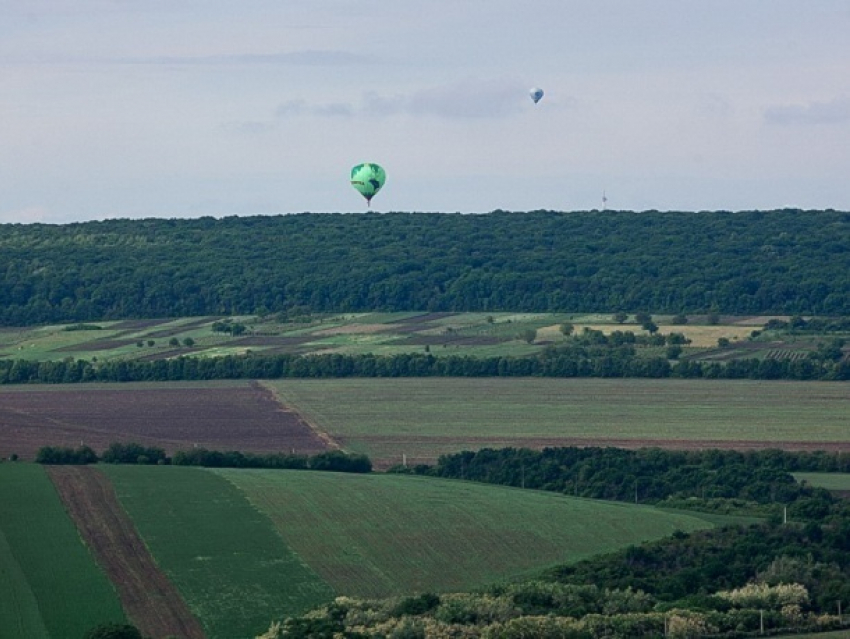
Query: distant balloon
{"points": [[536, 94], [368, 179]]}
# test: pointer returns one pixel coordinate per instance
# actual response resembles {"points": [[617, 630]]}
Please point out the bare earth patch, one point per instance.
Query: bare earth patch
{"points": [[149, 599], [247, 418]]}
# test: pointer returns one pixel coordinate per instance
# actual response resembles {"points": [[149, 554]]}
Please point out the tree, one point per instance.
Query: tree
{"points": [[643, 318], [567, 328], [650, 327], [529, 335], [174, 342], [188, 342], [620, 317]]}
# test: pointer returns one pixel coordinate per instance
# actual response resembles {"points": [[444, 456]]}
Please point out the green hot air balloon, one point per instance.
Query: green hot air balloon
{"points": [[368, 178]]}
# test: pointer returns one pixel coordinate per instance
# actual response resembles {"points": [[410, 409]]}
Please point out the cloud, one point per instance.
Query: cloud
{"points": [[832, 112], [294, 58], [468, 99], [295, 108]]}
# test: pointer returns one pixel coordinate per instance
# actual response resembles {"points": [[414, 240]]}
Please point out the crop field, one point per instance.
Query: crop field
{"points": [[382, 535], [50, 585], [226, 559], [150, 600], [175, 416], [474, 334], [839, 482], [420, 419]]}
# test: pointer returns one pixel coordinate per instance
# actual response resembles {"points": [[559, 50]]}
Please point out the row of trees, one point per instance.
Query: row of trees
{"points": [[781, 262], [572, 361], [132, 453], [651, 475]]}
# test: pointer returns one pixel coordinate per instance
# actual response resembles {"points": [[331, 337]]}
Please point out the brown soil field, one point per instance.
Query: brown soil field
{"points": [[149, 599], [240, 417]]}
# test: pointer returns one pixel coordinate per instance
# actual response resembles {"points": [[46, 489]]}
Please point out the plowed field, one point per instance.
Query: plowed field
{"points": [[237, 416], [148, 598]]}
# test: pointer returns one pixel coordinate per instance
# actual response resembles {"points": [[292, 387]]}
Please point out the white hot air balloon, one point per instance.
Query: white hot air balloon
{"points": [[536, 93]]}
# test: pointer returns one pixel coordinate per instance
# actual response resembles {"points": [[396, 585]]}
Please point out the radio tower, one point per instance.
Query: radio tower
{"points": [[604, 200]]}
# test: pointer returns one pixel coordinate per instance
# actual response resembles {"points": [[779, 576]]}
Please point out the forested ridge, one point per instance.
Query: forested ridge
{"points": [[785, 261]]}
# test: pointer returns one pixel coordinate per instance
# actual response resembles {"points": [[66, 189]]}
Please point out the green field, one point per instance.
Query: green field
{"points": [[230, 565], [830, 481], [423, 418], [50, 585], [383, 535]]}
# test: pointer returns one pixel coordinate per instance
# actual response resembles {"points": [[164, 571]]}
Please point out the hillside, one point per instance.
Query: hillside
{"points": [[787, 261]]}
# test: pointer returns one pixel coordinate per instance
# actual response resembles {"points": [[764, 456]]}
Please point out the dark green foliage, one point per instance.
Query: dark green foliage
{"points": [[338, 461], [59, 455], [235, 459], [592, 355], [650, 475], [133, 454], [418, 605], [682, 569], [114, 631], [786, 261]]}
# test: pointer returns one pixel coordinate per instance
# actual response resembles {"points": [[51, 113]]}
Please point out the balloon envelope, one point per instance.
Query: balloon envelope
{"points": [[368, 178], [536, 94]]}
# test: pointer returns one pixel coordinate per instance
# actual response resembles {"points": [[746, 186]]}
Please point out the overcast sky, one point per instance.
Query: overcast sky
{"points": [[182, 108]]}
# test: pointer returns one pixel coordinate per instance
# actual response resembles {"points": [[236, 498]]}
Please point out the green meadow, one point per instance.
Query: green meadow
{"points": [[425, 417], [384, 535], [50, 585], [830, 481], [226, 558]]}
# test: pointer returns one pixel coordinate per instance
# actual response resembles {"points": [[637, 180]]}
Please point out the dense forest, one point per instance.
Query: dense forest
{"points": [[785, 261]]}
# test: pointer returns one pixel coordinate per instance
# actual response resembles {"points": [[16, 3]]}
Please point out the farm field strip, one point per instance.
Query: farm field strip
{"points": [[222, 416], [383, 535], [423, 418], [51, 585], [147, 596], [19, 613], [224, 556]]}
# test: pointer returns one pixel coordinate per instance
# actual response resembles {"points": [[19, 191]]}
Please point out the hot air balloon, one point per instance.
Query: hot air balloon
{"points": [[536, 94], [368, 178]]}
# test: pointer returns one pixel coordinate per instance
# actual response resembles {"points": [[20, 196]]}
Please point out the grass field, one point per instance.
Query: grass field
{"points": [[230, 565], [382, 535], [830, 481], [423, 418], [50, 586]]}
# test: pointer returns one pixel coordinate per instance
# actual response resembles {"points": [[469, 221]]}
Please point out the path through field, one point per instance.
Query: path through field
{"points": [[148, 597]]}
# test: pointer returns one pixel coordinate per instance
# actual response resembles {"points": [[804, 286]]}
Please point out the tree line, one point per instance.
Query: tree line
{"points": [[652, 475], [778, 262], [132, 453], [571, 361]]}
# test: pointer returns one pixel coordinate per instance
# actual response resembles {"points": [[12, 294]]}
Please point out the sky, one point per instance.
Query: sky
{"points": [[187, 108]]}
